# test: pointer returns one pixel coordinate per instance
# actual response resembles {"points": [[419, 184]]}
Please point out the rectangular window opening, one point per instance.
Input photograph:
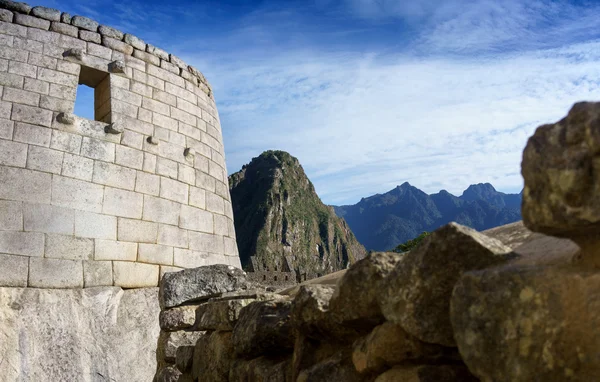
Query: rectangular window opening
{"points": [[93, 95]]}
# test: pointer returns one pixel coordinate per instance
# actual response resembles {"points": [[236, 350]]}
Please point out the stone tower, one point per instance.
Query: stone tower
{"points": [[119, 200]]}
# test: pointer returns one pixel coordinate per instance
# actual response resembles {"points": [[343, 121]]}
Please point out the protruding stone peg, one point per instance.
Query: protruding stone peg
{"points": [[152, 140], [116, 67], [66, 118], [74, 53], [113, 128], [189, 152]]}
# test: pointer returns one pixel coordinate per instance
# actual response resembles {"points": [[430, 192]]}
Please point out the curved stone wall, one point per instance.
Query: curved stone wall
{"points": [[119, 200]]}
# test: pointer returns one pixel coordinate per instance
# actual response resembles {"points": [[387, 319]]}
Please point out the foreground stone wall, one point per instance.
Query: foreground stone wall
{"points": [[139, 191]]}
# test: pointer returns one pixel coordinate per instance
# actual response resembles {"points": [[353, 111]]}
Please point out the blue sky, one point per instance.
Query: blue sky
{"points": [[371, 93]]}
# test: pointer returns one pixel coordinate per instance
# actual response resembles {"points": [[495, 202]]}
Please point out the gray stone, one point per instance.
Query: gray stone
{"points": [[168, 374], [200, 284], [355, 301], [43, 328], [219, 315], [134, 41], [114, 128], [263, 328], [177, 61], [74, 53], [15, 6], [531, 323], [184, 357], [90, 36], [117, 45], [31, 21], [65, 29], [84, 23], [116, 67], [46, 13], [152, 140], [65, 18], [417, 292], [169, 342], [428, 373], [179, 318], [110, 32], [261, 369], [66, 118], [6, 16], [213, 356], [157, 52]]}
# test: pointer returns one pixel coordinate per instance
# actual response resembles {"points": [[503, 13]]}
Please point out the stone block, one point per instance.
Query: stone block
{"points": [[206, 242], [13, 153], [64, 92], [166, 76], [147, 183], [157, 52], [161, 210], [155, 254], [35, 135], [129, 157], [132, 139], [96, 226], [22, 243], [168, 269], [114, 176], [97, 273], [170, 67], [137, 231], [13, 29], [56, 77], [25, 185], [172, 236], [14, 270], [230, 246], [45, 13], [55, 273], [122, 203], [44, 159], [179, 318], [147, 57], [115, 250], [21, 96], [178, 90], [11, 216], [117, 45], [186, 258], [219, 315], [6, 16], [196, 219], [99, 51], [84, 23], [56, 104], [174, 190], [166, 167], [221, 227], [63, 28], [215, 203], [97, 149], [65, 18], [75, 166], [135, 275], [197, 197], [149, 163], [110, 32], [69, 247], [67, 142], [12, 80], [30, 21], [186, 174], [48, 219], [77, 194], [37, 86], [201, 163], [90, 36], [6, 129]]}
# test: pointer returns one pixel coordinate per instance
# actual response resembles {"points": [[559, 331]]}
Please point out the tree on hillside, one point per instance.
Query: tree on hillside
{"points": [[410, 244]]}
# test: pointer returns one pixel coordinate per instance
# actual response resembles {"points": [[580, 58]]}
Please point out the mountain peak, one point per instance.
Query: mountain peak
{"points": [[479, 191]]}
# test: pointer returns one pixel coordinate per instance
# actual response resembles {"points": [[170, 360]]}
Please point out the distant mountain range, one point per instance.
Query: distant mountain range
{"points": [[382, 221]]}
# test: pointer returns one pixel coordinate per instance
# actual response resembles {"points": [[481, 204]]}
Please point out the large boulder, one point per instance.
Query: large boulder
{"points": [[529, 323], [355, 300], [417, 293], [213, 357], [197, 284], [263, 328], [219, 315], [427, 373], [560, 167], [64, 335]]}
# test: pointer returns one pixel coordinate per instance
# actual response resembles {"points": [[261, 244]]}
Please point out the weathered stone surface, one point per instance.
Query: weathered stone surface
{"points": [[213, 356], [110, 32], [168, 374], [134, 41], [184, 357], [417, 293], [388, 345], [66, 118], [181, 317], [336, 368], [65, 18], [169, 342], [309, 352], [427, 373], [310, 315], [75, 53], [261, 369], [84, 23], [15, 6], [197, 284], [116, 67], [263, 328], [157, 52], [219, 315], [42, 330], [528, 323], [355, 301], [46, 13]]}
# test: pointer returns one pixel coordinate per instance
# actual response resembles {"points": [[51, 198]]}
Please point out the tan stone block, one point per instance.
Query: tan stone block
{"points": [[206, 242], [221, 226], [21, 96], [137, 231], [147, 183], [114, 176], [69, 247], [43, 159], [6, 129], [11, 216], [172, 236], [135, 275], [197, 197], [174, 190], [75, 166], [155, 254], [22, 243], [166, 167], [122, 203], [167, 269], [97, 149], [67, 142], [35, 135], [161, 210], [13, 153], [55, 273], [129, 157], [196, 219], [186, 258], [215, 203], [48, 219], [186, 174], [115, 250], [24, 185], [97, 273], [14, 271], [77, 194], [96, 226]]}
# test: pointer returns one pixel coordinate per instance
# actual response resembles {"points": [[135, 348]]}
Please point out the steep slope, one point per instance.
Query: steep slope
{"points": [[278, 214], [383, 221]]}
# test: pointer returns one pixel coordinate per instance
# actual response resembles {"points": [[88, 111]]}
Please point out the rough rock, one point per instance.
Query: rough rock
{"points": [[46, 13], [65, 18], [544, 321], [219, 315], [110, 32], [168, 374], [181, 317], [62, 335], [84, 23], [417, 293], [213, 356], [169, 342], [66, 118], [117, 67], [134, 41], [184, 357], [337, 368], [388, 345], [261, 369], [197, 284], [263, 328], [15, 6], [427, 373], [355, 301], [310, 315]]}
